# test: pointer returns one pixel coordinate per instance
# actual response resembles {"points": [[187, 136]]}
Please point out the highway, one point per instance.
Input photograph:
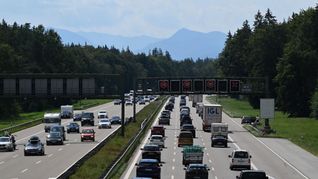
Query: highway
{"points": [[216, 158], [57, 158]]}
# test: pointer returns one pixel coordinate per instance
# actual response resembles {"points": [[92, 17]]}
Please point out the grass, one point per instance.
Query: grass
{"points": [[27, 117], [96, 165], [301, 131]]}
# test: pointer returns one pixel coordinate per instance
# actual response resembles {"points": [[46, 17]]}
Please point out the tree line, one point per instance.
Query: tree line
{"points": [[285, 52], [34, 49]]}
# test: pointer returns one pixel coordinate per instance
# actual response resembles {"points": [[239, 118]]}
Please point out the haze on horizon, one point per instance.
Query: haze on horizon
{"points": [[156, 18]]}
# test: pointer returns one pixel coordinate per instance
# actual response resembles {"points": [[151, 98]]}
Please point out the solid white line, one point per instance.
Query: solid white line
{"points": [[38, 162], [24, 170], [293, 167]]}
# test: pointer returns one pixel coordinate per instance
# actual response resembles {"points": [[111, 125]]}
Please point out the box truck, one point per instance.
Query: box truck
{"points": [[212, 113]]}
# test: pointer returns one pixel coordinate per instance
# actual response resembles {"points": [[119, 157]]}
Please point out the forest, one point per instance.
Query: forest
{"points": [[285, 52]]}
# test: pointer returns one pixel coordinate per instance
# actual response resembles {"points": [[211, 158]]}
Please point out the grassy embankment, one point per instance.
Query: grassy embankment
{"points": [[301, 131], [95, 166], [26, 117]]}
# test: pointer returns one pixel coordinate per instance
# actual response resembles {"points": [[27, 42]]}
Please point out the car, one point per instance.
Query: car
{"points": [[142, 101], [34, 146], [102, 114], [185, 108], [219, 140], [182, 102], [169, 106], [148, 168], [252, 174], [88, 134], [72, 127], [157, 140], [164, 120], [147, 99], [104, 123], [196, 170], [60, 129], [117, 102], [54, 138], [115, 120], [166, 113], [189, 127], [151, 151], [158, 130], [248, 119], [185, 120], [185, 138], [6, 143], [87, 119], [240, 159], [77, 117], [129, 102]]}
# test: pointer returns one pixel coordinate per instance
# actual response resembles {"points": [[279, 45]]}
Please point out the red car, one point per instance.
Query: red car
{"points": [[88, 134]]}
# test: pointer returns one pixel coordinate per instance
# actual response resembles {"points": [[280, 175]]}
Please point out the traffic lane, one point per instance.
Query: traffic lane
{"points": [[51, 151], [130, 171], [262, 157]]}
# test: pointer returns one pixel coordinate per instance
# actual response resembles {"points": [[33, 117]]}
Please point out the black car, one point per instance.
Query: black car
{"points": [[164, 120], [248, 119], [87, 118], [252, 174], [200, 171], [151, 151], [218, 140], [188, 127], [77, 117], [54, 138], [72, 127], [34, 147], [115, 120], [166, 113], [185, 120], [148, 168], [169, 106]]}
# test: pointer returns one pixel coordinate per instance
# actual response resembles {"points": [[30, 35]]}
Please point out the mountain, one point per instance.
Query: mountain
{"points": [[191, 44], [183, 44]]}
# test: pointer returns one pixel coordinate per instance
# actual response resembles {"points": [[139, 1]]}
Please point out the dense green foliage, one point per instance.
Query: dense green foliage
{"points": [[26, 49], [285, 52]]}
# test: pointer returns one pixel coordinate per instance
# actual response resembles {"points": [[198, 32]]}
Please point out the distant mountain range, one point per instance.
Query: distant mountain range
{"points": [[183, 44]]}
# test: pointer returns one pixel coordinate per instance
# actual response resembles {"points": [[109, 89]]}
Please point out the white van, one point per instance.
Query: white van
{"points": [[240, 159]]}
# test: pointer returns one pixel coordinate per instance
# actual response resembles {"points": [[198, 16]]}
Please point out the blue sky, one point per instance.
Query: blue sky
{"points": [[157, 18]]}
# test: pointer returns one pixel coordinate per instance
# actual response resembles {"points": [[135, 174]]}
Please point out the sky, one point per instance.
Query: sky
{"points": [[156, 18]]}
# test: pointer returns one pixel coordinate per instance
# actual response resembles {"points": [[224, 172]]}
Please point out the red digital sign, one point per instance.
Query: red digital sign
{"points": [[210, 85], [163, 85], [186, 85], [234, 85]]}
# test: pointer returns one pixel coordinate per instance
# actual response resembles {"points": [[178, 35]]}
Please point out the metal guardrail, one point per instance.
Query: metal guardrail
{"points": [[132, 142], [12, 128]]}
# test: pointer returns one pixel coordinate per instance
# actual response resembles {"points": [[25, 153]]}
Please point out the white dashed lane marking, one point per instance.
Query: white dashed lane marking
{"points": [[38, 162], [173, 160], [2, 162], [60, 149], [210, 161], [172, 167], [50, 155]]}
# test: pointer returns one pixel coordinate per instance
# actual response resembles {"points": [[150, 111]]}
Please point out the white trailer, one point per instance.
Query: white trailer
{"points": [[212, 113]]}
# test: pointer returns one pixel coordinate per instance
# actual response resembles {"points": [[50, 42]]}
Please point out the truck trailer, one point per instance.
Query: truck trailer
{"points": [[212, 113]]}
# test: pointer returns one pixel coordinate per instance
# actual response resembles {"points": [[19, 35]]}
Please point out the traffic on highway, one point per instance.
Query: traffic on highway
{"points": [[49, 149], [185, 148]]}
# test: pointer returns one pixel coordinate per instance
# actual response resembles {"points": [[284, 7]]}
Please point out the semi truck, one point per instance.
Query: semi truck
{"points": [[219, 134], [192, 154], [212, 113]]}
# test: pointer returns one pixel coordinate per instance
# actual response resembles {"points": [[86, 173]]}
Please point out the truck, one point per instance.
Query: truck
{"points": [[67, 111], [192, 154], [212, 113], [197, 99], [51, 119], [219, 134]]}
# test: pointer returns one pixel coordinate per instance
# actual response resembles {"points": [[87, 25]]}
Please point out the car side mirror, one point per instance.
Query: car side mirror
{"points": [[237, 177], [229, 156]]}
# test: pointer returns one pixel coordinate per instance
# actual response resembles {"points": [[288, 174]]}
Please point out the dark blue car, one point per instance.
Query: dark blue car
{"points": [[148, 168]]}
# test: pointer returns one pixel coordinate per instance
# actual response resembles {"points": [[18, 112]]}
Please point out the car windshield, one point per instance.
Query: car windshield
{"points": [[73, 124], [254, 175], [55, 134], [148, 164], [187, 127], [104, 120], [156, 137], [88, 131], [4, 139], [241, 154], [87, 115], [115, 117], [55, 129], [151, 148]]}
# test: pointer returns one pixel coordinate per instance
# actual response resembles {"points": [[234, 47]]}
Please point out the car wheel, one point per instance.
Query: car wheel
{"points": [[25, 154], [225, 145], [93, 139], [82, 140], [231, 168]]}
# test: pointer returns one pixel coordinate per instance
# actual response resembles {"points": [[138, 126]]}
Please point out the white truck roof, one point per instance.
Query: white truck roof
{"points": [[212, 105], [51, 115]]}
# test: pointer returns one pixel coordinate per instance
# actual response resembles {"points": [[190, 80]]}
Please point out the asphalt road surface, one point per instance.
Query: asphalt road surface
{"points": [[263, 157], [57, 158]]}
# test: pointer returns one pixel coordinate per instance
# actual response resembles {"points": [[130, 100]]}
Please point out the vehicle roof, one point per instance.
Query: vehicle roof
{"points": [[4, 137], [185, 132], [253, 171], [219, 124], [239, 150], [149, 160], [104, 119], [218, 105], [52, 115], [102, 112], [197, 165], [156, 135]]}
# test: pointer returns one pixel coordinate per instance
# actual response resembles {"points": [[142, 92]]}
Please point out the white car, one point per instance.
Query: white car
{"points": [[102, 114], [6, 144], [157, 140], [240, 159], [104, 123]]}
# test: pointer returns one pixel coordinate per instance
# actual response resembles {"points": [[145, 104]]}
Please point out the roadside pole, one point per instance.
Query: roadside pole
{"points": [[134, 107], [123, 106]]}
